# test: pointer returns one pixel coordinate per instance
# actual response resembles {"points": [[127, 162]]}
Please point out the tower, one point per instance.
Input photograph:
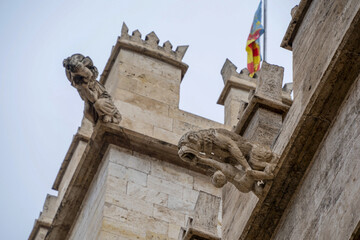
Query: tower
{"points": [[127, 181]]}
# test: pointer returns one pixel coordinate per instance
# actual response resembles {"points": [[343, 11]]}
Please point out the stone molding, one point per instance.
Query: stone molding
{"points": [[256, 101], [298, 15], [37, 225], [148, 47], [74, 143], [104, 135]]}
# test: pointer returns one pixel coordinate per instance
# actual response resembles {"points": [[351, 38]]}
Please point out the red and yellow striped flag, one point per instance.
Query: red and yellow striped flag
{"points": [[253, 43]]}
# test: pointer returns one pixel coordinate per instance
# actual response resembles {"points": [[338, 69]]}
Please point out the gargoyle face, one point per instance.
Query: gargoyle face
{"points": [[79, 68], [189, 147]]}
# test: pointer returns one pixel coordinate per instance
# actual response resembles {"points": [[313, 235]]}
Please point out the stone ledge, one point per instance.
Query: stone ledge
{"points": [[196, 234], [237, 83], [256, 101], [295, 23], [102, 137], [317, 117], [76, 139], [38, 224]]}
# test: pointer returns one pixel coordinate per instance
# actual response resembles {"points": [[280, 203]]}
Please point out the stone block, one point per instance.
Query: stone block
{"points": [[103, 235], [144, 103], [174, 231], [180, 205], [126, 159], [264, 126], [190, 195], [154, 66], [172, 173], [143, 128], [181, 127], [169, 215], [130, 218], [136, 114], [147, 194], [164, 186], [145, 75], [193, 119], [128, 174], [121, 231], [166, 135], [236, 205], [129, 202], [203, 183], [115, 186], [140, 85], [270, 81]]}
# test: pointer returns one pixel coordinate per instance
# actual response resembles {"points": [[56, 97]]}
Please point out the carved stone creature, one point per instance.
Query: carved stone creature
{"points": [[82, 75], [230, 158]]}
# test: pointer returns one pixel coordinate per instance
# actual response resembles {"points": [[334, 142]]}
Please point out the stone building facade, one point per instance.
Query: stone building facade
{"points": [[127, 181]]}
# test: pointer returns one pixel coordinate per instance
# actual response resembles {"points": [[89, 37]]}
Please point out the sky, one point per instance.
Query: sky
{"points": [[40, 111]]}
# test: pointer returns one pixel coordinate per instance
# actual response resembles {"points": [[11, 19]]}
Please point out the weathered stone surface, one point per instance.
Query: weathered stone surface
{"points": [[314, 108], [229, 157], [239, 88], [260, 122], [203, 225], [147, 194], [167, 172], [319, 137], [263, 126], [328, 198], [127, 174], [88, 221], [125, 157], [169, 215], [75, 152], [82, 75]]}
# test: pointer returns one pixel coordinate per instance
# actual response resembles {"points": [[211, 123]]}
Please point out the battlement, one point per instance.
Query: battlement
{"points": [[229, 69], [150, 47]]}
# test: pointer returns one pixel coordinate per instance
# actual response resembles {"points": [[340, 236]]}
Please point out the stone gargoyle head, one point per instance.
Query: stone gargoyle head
{"points": [[79, 69]]}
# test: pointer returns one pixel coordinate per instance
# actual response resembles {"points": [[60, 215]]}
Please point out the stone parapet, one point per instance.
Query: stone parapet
{"points": [[148, 47], [43, 223], [239, 88]]}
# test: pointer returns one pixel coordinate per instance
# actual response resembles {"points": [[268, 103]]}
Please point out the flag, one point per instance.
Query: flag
{"points": [[253, 43]]}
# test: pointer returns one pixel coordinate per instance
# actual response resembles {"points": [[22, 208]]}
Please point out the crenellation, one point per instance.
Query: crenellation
{"points": [[151, 43], [180, 52], [152, 39], [124, 31], [167, 46], [136, 36]]}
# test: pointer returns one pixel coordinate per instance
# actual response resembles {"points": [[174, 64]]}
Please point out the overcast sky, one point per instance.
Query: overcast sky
{"points": [[40, 111]]}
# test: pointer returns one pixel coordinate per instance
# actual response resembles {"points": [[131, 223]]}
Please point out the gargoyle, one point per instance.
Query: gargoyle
{"points": [[230, 158], [82, 75]]}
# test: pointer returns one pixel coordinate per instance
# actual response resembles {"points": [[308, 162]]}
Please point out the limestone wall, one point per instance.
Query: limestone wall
{"points": [[88, 223], [326, 205], [146, 92], [313, 47], [139, 197]]}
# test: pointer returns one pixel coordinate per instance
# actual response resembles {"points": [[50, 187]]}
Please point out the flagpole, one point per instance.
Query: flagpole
{"points": [[265, 28]]}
